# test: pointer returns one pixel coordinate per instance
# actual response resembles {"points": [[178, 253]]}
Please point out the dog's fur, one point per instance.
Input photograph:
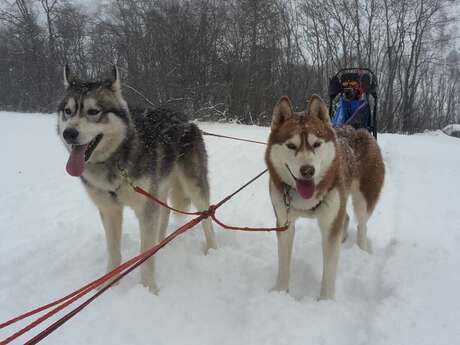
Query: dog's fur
{"points": [[304, 150], [161, 151]]}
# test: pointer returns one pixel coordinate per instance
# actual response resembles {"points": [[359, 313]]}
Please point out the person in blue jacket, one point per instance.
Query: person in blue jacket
{"points": [[351, 102]]}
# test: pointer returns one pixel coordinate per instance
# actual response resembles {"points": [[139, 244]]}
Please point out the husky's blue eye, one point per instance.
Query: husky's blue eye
{"points": [[291, 146], [93, 112]]}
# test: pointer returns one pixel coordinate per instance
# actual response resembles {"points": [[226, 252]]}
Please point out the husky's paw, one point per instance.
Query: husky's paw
{"points": [[151, 286], [366, 246], [324, 298], [154, 290], [280, 288], [209, 247], [148, 280]]}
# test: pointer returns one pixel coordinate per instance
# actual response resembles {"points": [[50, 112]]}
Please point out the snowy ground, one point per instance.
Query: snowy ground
{"points": [[406, 292]]}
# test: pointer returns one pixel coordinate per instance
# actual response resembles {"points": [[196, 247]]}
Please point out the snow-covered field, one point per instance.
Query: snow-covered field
{"points": [[406, 292]]}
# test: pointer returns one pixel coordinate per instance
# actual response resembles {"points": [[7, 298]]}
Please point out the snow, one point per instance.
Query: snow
{"points": [[451, 129], [406, 292]]}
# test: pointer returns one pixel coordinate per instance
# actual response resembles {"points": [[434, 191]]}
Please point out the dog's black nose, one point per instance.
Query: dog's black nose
{"points": [[307, 171], [70, 135]]}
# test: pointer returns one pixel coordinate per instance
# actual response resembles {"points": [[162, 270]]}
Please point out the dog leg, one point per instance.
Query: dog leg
{"points": [[111, 213], [331, 222], [112, 218], [199, 195], [164, 212], [164, 221], [285, 244], [360, 207], [148, 224], [331, 252], [202, 203], [362, 236], [345, 228]]}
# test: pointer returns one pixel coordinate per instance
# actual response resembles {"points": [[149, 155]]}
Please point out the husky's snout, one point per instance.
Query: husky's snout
{"points": [[70, 135]]}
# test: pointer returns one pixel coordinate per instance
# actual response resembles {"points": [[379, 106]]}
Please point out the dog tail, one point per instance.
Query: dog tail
{"points": [[179, 198]]}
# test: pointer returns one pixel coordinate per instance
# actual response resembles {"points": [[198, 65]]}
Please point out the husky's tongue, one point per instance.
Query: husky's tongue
{"points": [[76, 162], [306, 188]]}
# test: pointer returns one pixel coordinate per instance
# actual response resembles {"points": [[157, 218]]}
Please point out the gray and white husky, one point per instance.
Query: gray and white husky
{"points": [[161, 151]]}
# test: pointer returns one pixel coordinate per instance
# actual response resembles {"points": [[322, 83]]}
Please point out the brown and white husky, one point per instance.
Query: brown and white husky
{"points": [[313, 169]]}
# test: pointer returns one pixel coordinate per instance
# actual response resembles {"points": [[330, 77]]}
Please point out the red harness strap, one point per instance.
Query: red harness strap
{"points": [[146, 255], [118, 273], [211, 211], [122, 270], [234, 138]]}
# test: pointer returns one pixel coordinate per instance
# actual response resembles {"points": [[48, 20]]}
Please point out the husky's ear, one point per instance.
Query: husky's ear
{"points": [[66, 76], [282, 111], [317, 107], [116, 82], [115, 86]]}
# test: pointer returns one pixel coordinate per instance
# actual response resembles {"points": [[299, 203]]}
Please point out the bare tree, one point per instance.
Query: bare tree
{"points": [[231, 60]]}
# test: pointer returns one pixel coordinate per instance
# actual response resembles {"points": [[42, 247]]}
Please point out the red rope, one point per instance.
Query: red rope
{"points": [[212, 209], [245, 228], [129, 266], [147, 255], [88, 287], [234, 138], [118, 273], [158, 201]]}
